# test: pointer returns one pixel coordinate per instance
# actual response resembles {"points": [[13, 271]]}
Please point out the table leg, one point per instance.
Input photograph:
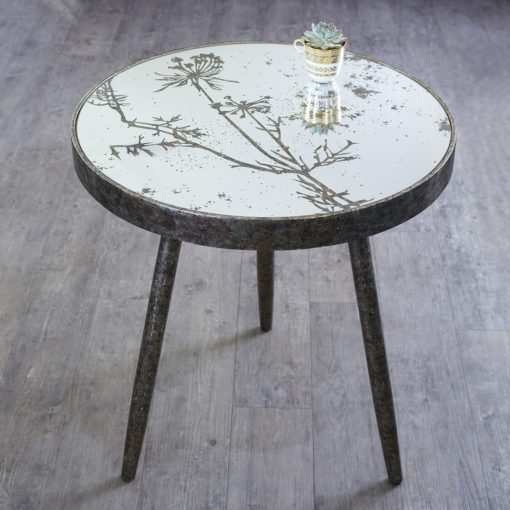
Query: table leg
{"points": [[155, 322], [265, 280], [368, 306]]}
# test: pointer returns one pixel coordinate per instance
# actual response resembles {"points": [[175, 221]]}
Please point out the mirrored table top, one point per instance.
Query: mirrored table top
{"points": [[240, 130]]}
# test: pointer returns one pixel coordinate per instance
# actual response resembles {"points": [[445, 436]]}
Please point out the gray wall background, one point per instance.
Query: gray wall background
{"points": [[242, 420]]}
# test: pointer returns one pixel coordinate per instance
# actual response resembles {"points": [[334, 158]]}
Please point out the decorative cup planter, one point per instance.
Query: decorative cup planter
{"points": [[323, 65]]}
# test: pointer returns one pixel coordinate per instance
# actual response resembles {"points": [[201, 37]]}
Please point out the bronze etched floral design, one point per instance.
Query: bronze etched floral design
{"points": [[202, 72]]}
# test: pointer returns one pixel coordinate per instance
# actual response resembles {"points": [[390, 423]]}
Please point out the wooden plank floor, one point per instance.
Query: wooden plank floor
{"points": [[244, 420]]}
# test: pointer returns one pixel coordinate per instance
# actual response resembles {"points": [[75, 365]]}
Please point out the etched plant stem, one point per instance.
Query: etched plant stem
{"points": [[326, 194], [284, 165], [301, 165]]}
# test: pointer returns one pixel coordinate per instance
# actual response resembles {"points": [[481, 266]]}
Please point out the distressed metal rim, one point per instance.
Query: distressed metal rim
{"points": [[91, 176]]}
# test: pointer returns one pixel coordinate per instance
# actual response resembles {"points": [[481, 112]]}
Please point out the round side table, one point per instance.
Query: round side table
{"points": [[231, 146]]}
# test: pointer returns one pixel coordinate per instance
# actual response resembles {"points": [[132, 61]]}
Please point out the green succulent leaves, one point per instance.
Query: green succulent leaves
{"points": [[324, 36]]}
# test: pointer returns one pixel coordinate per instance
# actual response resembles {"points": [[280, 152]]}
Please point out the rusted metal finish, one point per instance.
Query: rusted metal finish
{"points": [[265, 280], [155, 322], [368, 306]]}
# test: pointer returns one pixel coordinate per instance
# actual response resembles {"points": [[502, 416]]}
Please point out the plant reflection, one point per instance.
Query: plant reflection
{"points": [[321, 107]]}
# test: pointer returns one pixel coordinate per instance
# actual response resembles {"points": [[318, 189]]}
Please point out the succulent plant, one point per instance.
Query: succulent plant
{"points": [[324, 36]]}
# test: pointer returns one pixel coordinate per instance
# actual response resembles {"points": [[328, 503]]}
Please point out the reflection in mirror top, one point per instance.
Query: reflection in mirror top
{"points": [[321, 107]]}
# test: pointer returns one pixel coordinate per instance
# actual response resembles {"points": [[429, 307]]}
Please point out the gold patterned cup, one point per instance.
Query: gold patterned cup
{"points": [[323, 66]]}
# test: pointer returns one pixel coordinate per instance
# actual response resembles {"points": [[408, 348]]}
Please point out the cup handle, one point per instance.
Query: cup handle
{"points": [[297, 47]]}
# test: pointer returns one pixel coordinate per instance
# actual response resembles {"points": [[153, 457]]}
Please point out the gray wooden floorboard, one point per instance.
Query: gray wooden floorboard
{"points": [[437, 432], [486, 356], [271, 459], [330, 275], [243, 419], [349, 469], [186, 453], [273, 368]]}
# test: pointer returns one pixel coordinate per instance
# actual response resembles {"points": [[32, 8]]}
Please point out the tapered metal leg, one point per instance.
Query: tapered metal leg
{"points": [[265, 280], [155, 322], [368, 306]]}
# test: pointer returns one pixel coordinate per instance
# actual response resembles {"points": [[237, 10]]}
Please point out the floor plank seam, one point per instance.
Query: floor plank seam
{"points": [[465, 385], [311, 376], [234, 382], [482, 330], [471, 410], [283, 408]]}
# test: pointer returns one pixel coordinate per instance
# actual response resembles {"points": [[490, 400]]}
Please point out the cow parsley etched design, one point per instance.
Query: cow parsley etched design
{"points": [[202, 72]]}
